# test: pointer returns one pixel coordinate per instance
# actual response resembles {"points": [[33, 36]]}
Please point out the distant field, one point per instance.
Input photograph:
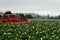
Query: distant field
{"points": [[46, 19], [38, 29]]}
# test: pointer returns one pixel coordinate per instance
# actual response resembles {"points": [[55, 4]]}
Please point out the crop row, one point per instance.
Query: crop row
{"points": [[35, 30]]}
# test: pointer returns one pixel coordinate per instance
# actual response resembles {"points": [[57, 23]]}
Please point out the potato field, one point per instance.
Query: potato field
{"points": [[35, 30]]}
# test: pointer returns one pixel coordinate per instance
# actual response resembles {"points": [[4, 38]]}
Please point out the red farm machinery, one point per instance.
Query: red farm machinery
{"points": [[13, 18]]}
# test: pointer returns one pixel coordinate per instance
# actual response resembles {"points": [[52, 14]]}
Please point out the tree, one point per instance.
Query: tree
{"points": [[17, 14], [28, 16], [59, 17], [7, 12], [48, 16], [0, 15], [21, 15]]}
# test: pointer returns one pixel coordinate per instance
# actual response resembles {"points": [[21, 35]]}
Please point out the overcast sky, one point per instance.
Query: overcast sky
{"points": [[42, 7]]}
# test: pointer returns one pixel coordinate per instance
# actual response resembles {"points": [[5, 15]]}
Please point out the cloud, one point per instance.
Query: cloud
{"points": [[39, 6]]}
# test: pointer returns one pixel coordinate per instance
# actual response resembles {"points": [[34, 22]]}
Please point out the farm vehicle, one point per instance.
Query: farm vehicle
{"points": [[13, 18]]}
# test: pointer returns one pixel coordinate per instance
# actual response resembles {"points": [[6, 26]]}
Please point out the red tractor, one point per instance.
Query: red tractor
{"points": [[13, 18]]}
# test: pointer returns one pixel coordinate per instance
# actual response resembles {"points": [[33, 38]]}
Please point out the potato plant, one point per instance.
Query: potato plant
{"points": [[35, 30]]}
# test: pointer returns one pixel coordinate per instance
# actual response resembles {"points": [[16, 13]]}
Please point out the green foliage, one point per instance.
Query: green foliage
{"points": [[35, 30], [21, 15], [59, 17], [7, 12], [28, 16], [0, 16]]}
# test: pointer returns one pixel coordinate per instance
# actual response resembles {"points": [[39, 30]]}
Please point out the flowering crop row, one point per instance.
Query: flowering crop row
{"points": [[35, 30]]}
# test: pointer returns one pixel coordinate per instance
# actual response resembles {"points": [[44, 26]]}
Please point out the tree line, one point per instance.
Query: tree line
{"points": [[30, 16], [17, 14]]}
